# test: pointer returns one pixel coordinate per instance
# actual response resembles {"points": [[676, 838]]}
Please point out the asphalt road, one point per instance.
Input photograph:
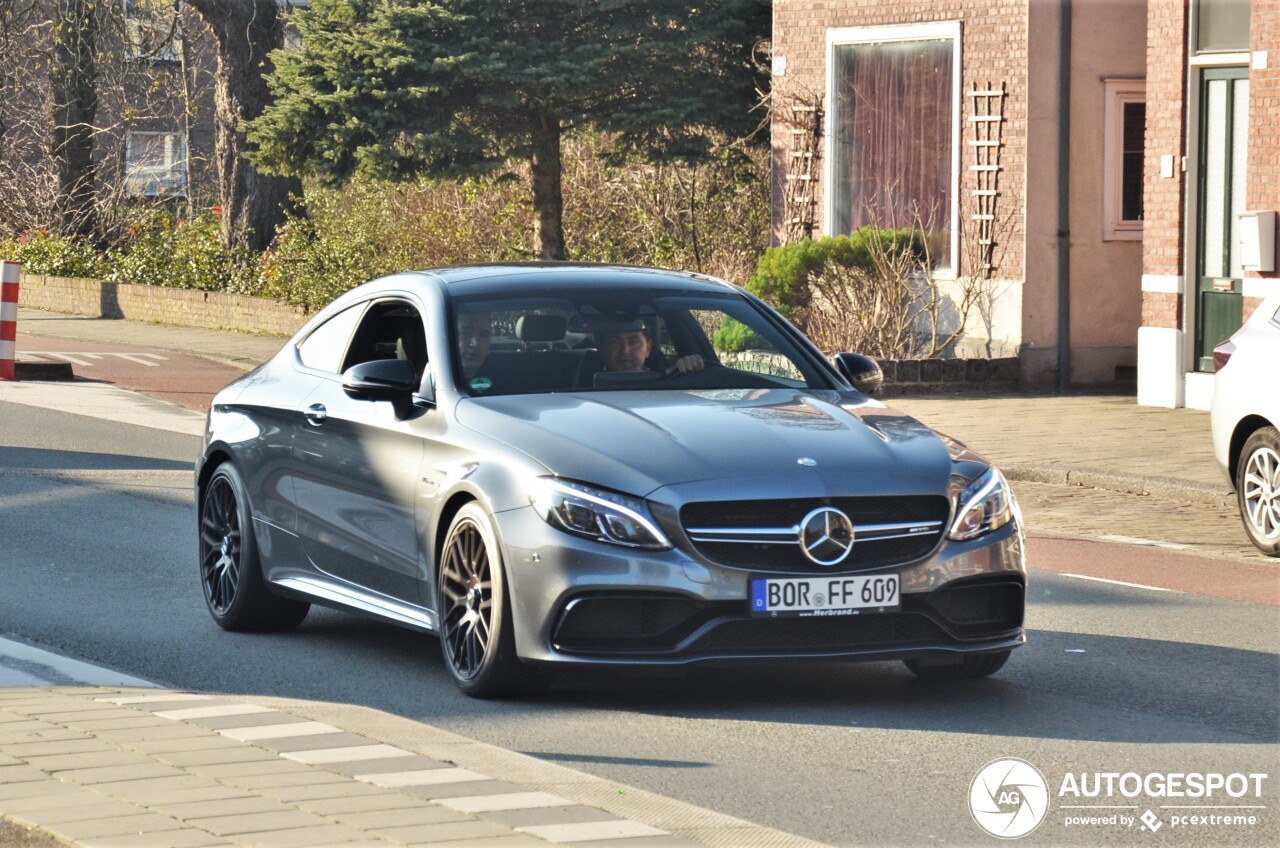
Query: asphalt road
{"points": [[97, 560]]}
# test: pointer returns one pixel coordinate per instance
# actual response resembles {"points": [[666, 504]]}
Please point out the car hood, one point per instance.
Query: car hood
{"points": [[791, 442]]}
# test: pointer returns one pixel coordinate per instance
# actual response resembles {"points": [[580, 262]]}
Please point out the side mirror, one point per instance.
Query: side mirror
{"points": [[862, 371], [381, 379]]}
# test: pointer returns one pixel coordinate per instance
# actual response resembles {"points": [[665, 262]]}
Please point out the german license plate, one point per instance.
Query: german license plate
{"points": [[822, 596]]}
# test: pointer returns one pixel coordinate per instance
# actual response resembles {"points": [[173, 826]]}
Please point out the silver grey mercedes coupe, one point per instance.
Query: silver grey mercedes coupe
{"points": [[554, 464]]}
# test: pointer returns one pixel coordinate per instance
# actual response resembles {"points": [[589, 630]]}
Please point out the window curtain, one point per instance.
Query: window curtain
{"points": [[892, 128]]}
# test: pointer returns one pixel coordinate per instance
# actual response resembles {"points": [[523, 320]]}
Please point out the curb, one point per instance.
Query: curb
{"points": [[30, 367], [1132, 484]]}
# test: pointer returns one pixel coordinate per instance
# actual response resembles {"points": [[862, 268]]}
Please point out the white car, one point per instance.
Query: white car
{"points": [[1245, 415]]}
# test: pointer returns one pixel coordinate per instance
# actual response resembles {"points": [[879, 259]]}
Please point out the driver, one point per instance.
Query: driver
{"points": [[626, 347]]}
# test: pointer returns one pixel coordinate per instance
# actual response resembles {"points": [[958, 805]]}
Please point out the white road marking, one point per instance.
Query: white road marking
{"points": [[1119, 582], [1148, 543], [79, 357]]}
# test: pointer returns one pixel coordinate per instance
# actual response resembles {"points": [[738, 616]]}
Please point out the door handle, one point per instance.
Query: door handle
{"points": [[316, 414]]}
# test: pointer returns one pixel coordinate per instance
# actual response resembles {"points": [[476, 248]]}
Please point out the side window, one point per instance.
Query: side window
{"points": [[738, 346], [324, 348], [391, 329]]}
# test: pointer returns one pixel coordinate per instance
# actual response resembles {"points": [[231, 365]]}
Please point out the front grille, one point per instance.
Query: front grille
{"points": [[664, 625], [762, 535]]}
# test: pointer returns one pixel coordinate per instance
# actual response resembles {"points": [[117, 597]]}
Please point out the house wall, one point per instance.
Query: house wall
{"points": [[1166, 367], [1039, 354], [1106, 291], [1022, 316], [1263, 191], [993, 51]]}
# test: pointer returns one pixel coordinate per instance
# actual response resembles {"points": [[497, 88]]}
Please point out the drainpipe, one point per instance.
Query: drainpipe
{"points": [[1064, 196]]}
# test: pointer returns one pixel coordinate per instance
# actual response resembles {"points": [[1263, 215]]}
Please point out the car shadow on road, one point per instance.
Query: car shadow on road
{"points": [[1060, 686], [70, 460]]}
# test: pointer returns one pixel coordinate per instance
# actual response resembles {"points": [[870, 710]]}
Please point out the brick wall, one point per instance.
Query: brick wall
{"points": [[1263, 191], [1166, 130], [993, 49], [178, 307], [1162, 309]]}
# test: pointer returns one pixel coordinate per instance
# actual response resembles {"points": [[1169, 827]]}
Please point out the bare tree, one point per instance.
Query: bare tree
{"points": [[246, 31], [74, 79], [79, 76]]}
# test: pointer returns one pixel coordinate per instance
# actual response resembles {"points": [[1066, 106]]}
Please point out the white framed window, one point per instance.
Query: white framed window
{"points": [[893, 132], [155, 164], [151, 30], [1123, 154]]}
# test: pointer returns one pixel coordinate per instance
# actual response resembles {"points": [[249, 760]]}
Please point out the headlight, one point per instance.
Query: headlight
{"points": [[984, 505], [596, 514]]}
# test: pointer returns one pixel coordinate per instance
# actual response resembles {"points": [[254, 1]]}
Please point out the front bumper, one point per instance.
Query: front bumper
{"points": [[580, 602]]}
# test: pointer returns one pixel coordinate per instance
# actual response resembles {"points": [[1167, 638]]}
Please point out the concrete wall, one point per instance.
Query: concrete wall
{"points": [[178, 307]]}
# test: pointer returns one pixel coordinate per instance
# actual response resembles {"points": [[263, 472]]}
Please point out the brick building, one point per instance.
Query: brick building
{"points": [[1212, 161], [1037, 193], [1046, 170]]}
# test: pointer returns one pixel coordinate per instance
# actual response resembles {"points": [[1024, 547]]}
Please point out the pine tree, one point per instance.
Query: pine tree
{"points": [[402, 88]]}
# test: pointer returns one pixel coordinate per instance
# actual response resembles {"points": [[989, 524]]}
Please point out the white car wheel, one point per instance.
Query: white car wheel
{"points": [[1258, 489]]}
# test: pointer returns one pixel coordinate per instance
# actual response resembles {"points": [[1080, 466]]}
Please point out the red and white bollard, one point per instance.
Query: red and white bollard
{"points": [[9, 272]]}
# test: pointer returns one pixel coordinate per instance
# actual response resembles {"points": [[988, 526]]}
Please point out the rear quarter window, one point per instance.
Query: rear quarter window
{"points": [[327, 344]]}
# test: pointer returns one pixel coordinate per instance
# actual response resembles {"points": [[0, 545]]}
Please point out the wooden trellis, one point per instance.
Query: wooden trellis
{"points": [[801, 203], [986, 118]]}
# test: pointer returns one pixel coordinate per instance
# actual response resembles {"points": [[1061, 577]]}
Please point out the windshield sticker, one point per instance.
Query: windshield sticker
{"points": [[480, 384]]}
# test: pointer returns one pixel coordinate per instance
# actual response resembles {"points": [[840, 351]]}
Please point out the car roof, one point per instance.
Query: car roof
{"points": [[534, 276]]}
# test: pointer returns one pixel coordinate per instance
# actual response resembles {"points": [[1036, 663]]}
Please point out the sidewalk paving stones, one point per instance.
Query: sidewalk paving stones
{"points": [[270, 773]]}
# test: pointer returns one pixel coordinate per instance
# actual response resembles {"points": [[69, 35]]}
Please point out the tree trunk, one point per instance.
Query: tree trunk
{"points": [[253, 204], [74, 79], [548, 203]]}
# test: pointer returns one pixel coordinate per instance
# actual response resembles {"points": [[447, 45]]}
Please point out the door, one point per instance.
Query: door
{"points": [[357, 466], [1224, 122]]}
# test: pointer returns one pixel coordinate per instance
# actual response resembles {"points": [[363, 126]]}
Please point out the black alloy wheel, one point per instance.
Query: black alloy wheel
{"points": [[230, 572], [476, 633]]}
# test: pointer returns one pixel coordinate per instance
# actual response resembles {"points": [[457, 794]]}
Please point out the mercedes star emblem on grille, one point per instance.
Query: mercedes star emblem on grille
{"points": [[826, 536]]}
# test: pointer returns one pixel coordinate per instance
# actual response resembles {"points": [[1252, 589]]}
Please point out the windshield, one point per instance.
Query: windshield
{"points": [[622, 339]]}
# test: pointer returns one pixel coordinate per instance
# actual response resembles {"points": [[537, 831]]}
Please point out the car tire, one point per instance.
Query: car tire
{"points": [[1258, 489], [477, 636], [230, 571], [970, 667]]}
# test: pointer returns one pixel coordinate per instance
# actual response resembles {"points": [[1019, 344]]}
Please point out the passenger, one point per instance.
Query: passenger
{"points": [[475, 333], [626, 347]]}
